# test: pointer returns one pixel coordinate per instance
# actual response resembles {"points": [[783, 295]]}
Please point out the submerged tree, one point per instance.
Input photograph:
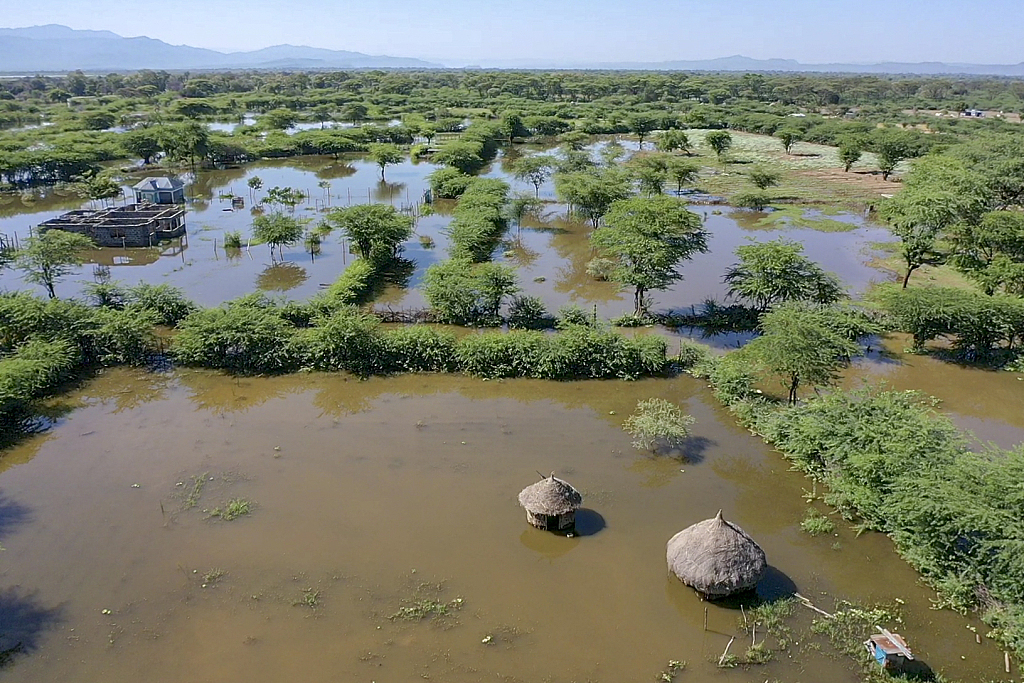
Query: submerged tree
{"points": [[648, 238], [277, 230], [533, 169], [673, 140], [658, 422], [48, 257], [385, 154], [769, 273], [798, 345], [590, 194], [377, 230]]}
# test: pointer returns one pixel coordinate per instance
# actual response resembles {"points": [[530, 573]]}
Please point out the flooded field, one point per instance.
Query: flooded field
{"points": [[376, 503], [550, 252]]}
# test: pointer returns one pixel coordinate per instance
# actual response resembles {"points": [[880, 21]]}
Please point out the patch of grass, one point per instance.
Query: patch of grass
{"points": [[196, 491], [233, 509], [669, 673], [816, 524], [310, 598], [770, 618], [758, 654], [421, 609], [800, 217], [213, 576]]}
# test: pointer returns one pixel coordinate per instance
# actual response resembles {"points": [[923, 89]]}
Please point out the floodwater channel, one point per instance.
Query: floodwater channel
{"points": [[375, 496]]}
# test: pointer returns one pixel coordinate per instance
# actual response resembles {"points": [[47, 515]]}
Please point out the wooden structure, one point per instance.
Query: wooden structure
{"points": [[890, 651], [716, 558], [134, 225], [551, 504], [159, 191]]}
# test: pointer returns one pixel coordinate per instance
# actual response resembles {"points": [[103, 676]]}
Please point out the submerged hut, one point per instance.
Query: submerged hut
{"points": [[890, 651], [716, 558], [551, 504]]}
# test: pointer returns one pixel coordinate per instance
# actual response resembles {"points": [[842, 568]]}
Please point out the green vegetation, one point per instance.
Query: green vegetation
{"points": [[51, 256], [769, 273], [816, 523], [233, 509], [658, 422], [376, 230], [647, 238]]}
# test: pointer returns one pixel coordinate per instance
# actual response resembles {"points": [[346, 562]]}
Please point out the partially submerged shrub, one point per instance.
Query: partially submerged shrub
{"points": [[168, 304], [246, 338], [658, 422], [527, 313], [816, 523]]}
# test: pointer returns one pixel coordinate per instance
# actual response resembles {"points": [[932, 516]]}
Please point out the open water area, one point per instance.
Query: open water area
{"points": [[371, 497]]}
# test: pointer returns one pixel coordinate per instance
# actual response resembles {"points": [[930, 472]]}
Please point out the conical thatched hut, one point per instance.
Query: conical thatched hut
{"points": [[716, 558], [551, 504]]}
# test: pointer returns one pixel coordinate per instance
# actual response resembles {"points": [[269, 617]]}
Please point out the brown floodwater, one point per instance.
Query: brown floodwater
{"points": [[372, 495]]}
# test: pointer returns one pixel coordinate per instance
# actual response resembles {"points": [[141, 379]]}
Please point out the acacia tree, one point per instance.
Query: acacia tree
{"points": [[769, 273], [385, 154], [798, 345], [788, 138], [673, 140], [641, 125], [682, 172], [377, 230], [647, 238], [651, 171], [254, 183], [720, 141], [49, 256], [991, 252], [512, 126], [763, 178], [590, 194], [142, 142], [937, 195], [533, 169], [277, 230], [850, 152]]}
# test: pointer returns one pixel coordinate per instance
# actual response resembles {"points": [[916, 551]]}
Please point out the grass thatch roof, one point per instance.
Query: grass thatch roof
{"points": [[716, 558], [550, 496]]}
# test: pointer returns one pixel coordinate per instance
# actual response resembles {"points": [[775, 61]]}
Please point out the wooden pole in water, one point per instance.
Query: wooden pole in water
{"points": [[1006, 661], [705, 618]]}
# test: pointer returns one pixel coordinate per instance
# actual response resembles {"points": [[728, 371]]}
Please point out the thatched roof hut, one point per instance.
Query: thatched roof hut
{"points": [[716, 558], [551, 504]]}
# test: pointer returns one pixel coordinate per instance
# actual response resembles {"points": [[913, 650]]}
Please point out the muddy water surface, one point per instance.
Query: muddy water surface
{"points": [[375, 496]]}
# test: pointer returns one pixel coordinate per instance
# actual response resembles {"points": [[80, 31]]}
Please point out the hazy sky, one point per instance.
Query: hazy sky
{"points": [[977, 31]]}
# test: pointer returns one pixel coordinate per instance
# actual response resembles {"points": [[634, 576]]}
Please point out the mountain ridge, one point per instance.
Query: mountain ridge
{"points": [[58, 48]]}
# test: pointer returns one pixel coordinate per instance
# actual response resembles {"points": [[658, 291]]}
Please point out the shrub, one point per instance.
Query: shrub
{"points": [[122, 337], [418, 348], [168, 304], [35, 368], [755, 201], [574, 315], [246, 338], [448, 183], [527, 313], [658, 422], [106, 295], [496, 354], [233, 239], [816, 523], [348, 340]]}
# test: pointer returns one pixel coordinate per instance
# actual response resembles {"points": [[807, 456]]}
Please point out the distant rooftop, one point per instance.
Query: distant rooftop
{"points": [[155, 183]]}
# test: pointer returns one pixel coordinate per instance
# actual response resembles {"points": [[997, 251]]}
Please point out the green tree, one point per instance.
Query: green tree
{"points": [[324, 113], [98, 186], [142, 142], [512, 126], [279, 119], [376, 230], [354, 112], [682, 172], [48, 257], [720, 141], [755, 201], [651, 171], [385, 154], [574, 140], [590, 195], [769, 273], [641, 125], [788, 138], [255, 183], [991, 252], [798, 345], [464, 155], [892, 147], [938, 194], [648, 238], [673, 140], [189, 141], [763, 178], [277, 230], [850, 152], [466, 293], [533, 169]]}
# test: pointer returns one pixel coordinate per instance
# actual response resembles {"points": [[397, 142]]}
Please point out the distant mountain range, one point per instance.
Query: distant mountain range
{"points": [[59, 48], [55, 48]]}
